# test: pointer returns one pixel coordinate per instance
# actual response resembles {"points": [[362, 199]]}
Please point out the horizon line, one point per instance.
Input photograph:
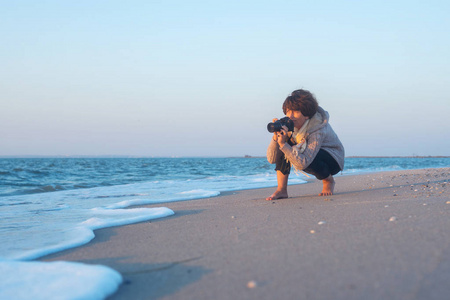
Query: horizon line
{"points": [[206, 156]]}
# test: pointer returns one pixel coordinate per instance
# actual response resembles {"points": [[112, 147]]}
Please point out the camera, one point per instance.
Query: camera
{"points": [[276, 126]]}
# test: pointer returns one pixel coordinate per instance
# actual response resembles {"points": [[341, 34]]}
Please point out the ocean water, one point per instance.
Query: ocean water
{"points": [[51, 204]]}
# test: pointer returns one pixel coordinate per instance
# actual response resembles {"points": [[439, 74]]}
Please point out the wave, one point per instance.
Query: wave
{"points": [[45, 189]]}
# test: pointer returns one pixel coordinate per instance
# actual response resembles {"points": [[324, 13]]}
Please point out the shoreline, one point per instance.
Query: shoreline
{"points": [[381, 235]]}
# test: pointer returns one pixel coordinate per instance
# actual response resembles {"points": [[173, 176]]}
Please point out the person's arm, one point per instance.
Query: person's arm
{"points": [[273, 151], [302, 160]]}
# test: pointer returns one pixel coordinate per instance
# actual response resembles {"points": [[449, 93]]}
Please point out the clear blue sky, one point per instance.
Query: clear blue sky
{"points": [[203, 78]]}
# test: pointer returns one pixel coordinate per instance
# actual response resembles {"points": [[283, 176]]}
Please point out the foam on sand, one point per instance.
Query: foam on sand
{"points": [[83, 233], [56, 280], [64, 280]]}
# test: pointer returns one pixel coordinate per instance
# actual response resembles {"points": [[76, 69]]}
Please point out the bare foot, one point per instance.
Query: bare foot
{"points": [[328, 186], [278, 195]]}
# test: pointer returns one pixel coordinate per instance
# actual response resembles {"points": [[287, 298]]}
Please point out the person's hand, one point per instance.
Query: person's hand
{"points": [[281, 136], [275, 133]]}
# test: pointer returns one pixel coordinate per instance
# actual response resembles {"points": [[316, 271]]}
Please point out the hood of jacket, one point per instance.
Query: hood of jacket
{"points": [[318, 121]]}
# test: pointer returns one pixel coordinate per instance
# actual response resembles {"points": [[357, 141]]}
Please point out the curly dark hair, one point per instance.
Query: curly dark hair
{"points": [[303, 101]]}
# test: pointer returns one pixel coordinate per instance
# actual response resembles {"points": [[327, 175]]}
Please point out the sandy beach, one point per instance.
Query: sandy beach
{"points": [[381, 236]]}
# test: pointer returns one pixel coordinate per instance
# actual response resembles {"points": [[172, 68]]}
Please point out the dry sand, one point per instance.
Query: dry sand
{"points": [[381, 236]]}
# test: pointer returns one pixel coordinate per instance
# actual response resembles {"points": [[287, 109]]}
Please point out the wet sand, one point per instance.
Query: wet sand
{"points": [[381, 236]]}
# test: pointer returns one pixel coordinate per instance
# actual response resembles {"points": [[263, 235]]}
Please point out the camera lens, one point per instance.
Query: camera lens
{"points": [[275, 126]]}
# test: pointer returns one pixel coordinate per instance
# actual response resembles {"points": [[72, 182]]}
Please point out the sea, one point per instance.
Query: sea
{"points": [[51, 204]]}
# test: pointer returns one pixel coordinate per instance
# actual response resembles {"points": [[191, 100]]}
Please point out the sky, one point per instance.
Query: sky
{"points": [[203, 78]]}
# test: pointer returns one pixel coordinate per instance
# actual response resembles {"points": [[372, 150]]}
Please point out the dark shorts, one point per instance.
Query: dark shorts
{"points": [[321, 167]]}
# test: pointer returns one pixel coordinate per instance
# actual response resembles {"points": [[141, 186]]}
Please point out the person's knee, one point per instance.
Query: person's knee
{"points": [[320, 173], [323, 175]]}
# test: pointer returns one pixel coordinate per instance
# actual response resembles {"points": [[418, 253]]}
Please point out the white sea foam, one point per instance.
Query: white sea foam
{"points": [[199, 193], [118, 217], [186, 195], [83, 232], [56, 280], [61, 280]]}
